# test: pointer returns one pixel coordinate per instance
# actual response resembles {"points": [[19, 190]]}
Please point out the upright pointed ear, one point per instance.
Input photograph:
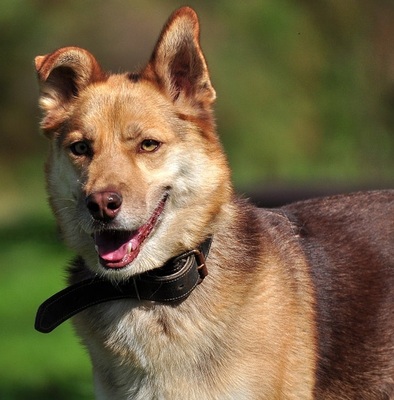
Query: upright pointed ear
{"points": [[62, 75], [178, 63]]}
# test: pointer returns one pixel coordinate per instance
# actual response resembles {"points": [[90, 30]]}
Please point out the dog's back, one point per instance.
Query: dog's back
{"points": [[349, 243]]}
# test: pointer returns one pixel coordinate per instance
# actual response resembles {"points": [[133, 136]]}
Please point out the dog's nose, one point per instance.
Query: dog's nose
{"points": [[104, 206]]}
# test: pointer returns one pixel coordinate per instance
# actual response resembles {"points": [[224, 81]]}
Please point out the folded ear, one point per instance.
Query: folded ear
{"points": [[62, 75], [178, 63]]}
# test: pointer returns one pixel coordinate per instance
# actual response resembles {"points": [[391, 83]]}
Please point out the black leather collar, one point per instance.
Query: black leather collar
{"points": [[172, 282]]}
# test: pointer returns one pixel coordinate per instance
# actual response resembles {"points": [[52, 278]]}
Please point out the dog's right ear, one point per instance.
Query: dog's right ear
{"points": [[62, 75]]}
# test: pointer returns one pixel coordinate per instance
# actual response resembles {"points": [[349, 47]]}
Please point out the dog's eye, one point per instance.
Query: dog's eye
{"points": [[80, 148], [149, 145]]}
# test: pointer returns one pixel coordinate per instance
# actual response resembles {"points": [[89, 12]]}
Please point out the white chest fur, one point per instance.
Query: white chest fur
{"points": [[159, 352]]}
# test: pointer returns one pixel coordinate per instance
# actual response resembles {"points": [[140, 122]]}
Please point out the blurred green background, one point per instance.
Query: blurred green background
{"points": [[305, 99]]}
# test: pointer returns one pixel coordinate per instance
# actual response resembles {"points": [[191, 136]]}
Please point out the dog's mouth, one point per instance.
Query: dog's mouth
{"points": [[118, 248]]}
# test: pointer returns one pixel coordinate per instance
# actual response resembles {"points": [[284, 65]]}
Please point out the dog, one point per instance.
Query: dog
{"points": [[180, 288]]}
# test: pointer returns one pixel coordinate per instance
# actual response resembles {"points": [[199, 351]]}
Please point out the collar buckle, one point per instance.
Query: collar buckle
{"points": [[201, 264]]}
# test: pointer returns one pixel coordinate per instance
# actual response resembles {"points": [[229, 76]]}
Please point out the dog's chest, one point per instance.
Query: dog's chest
{"points": [[149, 351]]}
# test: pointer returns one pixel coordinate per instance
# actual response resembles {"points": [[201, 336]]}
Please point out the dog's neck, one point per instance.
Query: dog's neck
{"points": [[173, 282]]}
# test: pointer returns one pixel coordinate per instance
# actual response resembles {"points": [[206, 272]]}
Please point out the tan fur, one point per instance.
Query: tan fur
{"points": [[249, 330]]}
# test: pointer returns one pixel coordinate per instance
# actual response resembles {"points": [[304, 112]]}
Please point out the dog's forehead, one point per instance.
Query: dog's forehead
{"points": [[119, 100]]}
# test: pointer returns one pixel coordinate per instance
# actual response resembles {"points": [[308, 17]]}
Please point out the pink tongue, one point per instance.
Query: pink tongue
{"points": [[112, 246]]}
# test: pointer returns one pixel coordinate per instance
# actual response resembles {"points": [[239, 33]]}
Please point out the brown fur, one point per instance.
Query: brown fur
{"points": [[299, 301]]}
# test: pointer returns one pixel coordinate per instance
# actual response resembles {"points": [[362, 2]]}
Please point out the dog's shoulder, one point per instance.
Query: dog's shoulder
{"points": [[351, 236]]}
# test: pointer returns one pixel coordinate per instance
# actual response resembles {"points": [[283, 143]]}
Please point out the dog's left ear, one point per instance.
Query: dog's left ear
{"points": [[177, 62]]}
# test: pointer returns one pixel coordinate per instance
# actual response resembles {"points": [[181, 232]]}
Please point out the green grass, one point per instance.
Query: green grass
{"points": [[34, 365]]}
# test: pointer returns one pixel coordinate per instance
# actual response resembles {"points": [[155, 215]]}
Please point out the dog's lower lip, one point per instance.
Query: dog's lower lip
{"points": [[117, 249]]}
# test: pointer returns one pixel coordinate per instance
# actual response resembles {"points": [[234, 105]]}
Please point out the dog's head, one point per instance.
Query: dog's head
{"points": [[136, 173]]}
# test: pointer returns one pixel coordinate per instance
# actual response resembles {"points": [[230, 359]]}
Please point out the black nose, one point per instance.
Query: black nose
{"points": [[104, 206]]}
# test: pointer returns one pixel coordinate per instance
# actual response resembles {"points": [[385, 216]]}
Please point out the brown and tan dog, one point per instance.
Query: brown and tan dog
{"points": [[298, 302]]}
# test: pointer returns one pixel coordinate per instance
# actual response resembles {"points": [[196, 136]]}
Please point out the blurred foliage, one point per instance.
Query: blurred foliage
{"points": [[305, 88], [32, 365], [305, 93]]}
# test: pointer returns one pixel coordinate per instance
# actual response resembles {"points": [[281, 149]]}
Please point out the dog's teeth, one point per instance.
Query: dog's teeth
{"points": [[96, 248], [129, 248]]}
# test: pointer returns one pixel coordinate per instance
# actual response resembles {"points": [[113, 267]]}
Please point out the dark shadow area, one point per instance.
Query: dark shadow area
{"points": [[59, 390], [277, 195]]}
